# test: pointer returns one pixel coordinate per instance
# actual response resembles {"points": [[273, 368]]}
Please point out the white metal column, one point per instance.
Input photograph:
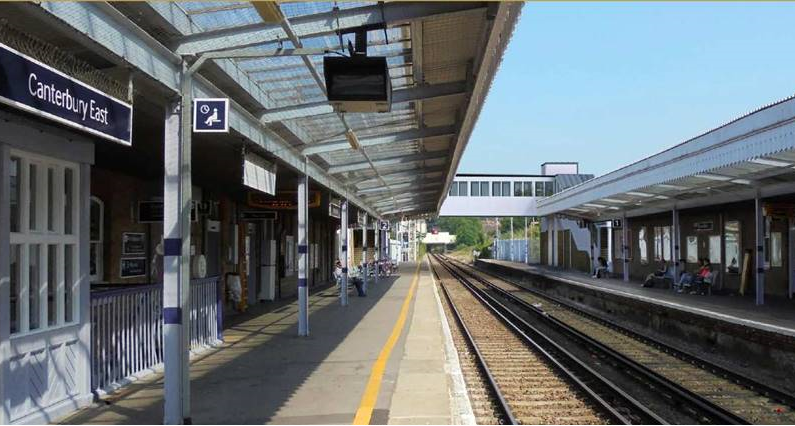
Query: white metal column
{"points": [[526, 243], [760, 252], [344, 244], [303, 256], [377, 251], [510, 243], [675, 244], [176, 256], [625, 246], [364, 255], [791, 257]]}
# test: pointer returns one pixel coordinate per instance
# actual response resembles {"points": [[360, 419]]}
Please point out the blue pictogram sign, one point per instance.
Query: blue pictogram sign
{"points": [[211, 115]]}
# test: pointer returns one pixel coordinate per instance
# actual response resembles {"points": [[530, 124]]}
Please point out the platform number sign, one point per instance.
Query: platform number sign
{"points": [[211, 115], [384, 225], [617, 224]]}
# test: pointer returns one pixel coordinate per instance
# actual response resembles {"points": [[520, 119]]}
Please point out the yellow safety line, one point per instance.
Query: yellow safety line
{"points": [[370, 395]]}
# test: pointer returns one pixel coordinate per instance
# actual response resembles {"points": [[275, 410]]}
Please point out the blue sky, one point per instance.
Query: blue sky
{"points": [[607, 84]]}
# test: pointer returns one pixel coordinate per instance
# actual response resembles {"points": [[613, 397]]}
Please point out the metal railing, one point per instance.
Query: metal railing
{"points": [[127, 329]]}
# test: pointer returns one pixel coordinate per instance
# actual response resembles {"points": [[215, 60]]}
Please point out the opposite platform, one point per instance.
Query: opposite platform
{"points": [[381, 359]]}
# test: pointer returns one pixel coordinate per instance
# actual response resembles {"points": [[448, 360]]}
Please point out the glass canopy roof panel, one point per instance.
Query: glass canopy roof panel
{"points": [[216, 15]]}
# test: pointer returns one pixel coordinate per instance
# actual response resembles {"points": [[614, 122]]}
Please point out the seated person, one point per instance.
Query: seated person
{"points": [[703, 279], [688, 279], [659, 273], [601, 268], [733, 267]]}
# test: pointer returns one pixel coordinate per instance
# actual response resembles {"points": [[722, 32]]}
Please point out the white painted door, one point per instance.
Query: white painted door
{"points": [[43, 360]]}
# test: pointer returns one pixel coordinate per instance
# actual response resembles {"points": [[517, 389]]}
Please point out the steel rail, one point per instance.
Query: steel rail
{"points": [[763, 389], [518, 325], [721, 415], [507, 415]]}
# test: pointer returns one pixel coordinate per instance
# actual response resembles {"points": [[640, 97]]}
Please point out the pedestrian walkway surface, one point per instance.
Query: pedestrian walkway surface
{"points": [[265, 373], [775, 316]]}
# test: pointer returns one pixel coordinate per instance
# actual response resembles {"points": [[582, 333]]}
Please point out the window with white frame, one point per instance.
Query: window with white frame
{"points": [[44, 242], [96, 239]]}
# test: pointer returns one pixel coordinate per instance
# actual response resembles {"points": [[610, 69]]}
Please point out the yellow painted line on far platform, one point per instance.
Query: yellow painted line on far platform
{"points": [[367, 404]]}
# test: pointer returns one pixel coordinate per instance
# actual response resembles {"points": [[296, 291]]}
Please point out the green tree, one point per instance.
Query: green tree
{"points": [[468, 230]]}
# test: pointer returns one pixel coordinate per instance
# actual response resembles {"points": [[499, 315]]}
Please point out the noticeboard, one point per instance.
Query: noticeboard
{"points": [[133, 243], [132, 267]]}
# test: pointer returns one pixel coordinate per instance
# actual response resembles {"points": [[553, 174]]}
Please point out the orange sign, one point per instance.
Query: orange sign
{"points": [[285, 200], [779, 209]]}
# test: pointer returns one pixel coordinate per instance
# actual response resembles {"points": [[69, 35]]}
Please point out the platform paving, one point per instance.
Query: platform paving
{"points": [[777, 316], [265, 373]]}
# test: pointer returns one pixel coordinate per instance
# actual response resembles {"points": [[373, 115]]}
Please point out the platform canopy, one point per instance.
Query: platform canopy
{"points": [[751, 156], [442, 58]]}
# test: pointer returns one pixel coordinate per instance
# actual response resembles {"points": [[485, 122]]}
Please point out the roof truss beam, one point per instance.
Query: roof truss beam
{"points": [[398, 96], [418, 172], [320, 24], [389, 161], [408, 135]]}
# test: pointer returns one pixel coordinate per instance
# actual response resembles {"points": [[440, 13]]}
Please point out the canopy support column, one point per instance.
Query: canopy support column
{"points": [[625, 246], [344, 244], [303, 256], [675, 244], [760, 251], [176, 255], [366, 268]]}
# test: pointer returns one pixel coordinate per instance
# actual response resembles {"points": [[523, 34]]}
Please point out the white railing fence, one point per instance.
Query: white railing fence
{"points": [[127, 329]]}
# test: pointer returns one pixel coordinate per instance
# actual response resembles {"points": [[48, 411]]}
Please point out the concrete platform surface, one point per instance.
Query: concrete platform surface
{"points": [[265, 373], [776, 316]]}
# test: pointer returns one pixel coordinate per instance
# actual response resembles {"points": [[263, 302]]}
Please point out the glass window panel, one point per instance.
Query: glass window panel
{"points": [[657, 243], [506, 189], [96, 221], [539, 189], [775, 249], [484, 189], [528, 189], [731, 245], [34, 285], [666, 240], [475, 189], [549, 188], [69, 279], [454, 189], [33, 191], [68, 200], [462, 189], [495, 189], [52, 282], [642, 247], [50, 194], [517, 189], [14, 288], [714, 249], [16, 188], [692, 249]]}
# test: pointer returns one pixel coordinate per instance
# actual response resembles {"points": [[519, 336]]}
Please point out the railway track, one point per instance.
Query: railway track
{"points": [[530, 379], [714, 393]]}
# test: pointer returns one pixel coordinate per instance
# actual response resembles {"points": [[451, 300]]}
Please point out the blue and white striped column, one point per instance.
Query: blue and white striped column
{"points": [[176, 257], [344, 244], [364, 255], [303, 256]]}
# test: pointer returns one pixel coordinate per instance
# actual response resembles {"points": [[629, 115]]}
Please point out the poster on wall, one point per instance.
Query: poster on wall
{"points": [[289, 255], [133, 243], [132, 267]]}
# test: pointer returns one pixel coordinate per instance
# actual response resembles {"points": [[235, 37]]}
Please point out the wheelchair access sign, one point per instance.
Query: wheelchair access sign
{"points": [[211, 115]]}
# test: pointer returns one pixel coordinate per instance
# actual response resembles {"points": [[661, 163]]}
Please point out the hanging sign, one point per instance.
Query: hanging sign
{"points": [[152, 212], [616, 224], [257, 215], [702, 226], [286, 200], [383, 225], [37, 88], [779, 209], [334, 210], [211, 115]]}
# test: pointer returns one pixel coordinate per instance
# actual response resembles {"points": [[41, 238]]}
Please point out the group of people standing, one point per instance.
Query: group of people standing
{"points": [[382, 268]]}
